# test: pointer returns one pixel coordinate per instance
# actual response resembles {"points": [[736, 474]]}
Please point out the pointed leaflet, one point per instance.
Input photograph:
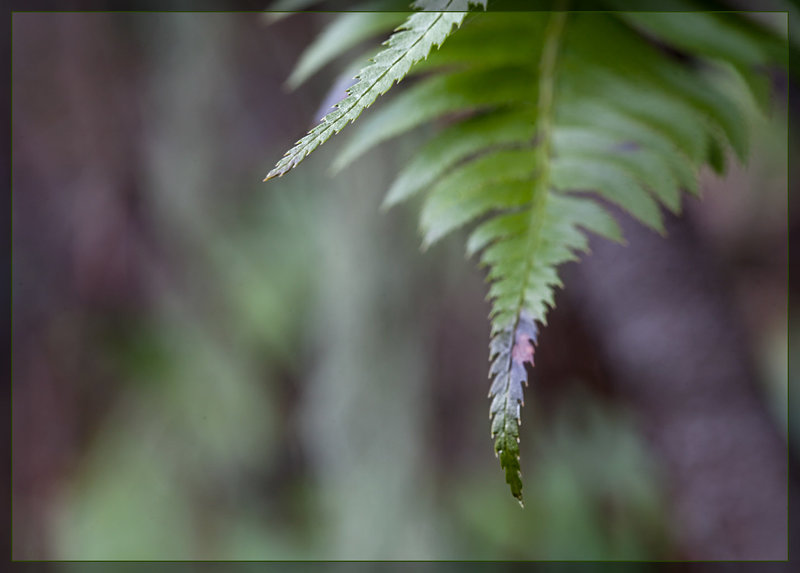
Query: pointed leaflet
{"points": [[409, 44], [511, 349]]}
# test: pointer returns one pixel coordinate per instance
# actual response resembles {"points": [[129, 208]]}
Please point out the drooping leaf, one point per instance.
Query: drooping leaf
{"points": [[410, 43], [543, 114]]}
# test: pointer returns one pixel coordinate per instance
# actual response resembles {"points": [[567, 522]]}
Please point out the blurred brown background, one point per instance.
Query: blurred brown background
{"points": [[208, 367]]}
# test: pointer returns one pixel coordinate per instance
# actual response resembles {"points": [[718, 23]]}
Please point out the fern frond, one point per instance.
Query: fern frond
{"points": [[410, 43], [546, 113], [615, 117]]}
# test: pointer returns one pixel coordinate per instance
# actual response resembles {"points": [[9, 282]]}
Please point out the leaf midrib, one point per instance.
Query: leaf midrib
{"points": [[541, 186]]}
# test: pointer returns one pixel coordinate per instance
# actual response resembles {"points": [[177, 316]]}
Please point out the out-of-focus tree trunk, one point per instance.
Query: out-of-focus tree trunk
{"points": [[366, 406], [73, 250], [661, 314]]}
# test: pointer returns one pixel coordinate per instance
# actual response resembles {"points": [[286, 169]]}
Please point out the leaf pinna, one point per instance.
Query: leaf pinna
{"points": [[548, 118], [511, 348], [410, 43]]}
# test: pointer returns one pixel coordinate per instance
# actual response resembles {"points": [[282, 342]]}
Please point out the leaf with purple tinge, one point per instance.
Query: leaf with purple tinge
{"points": [[510, 349]]}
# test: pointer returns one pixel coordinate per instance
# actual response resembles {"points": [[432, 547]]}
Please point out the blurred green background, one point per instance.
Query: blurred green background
{"points": [[209, 367]]}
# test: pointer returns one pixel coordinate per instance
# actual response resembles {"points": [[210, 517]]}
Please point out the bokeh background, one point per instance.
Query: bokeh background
{"points": [[209, 367]]}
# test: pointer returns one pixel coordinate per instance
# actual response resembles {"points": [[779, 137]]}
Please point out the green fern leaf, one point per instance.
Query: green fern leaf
{"points": [[621, 120], [546, 113], [409, 44]]}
